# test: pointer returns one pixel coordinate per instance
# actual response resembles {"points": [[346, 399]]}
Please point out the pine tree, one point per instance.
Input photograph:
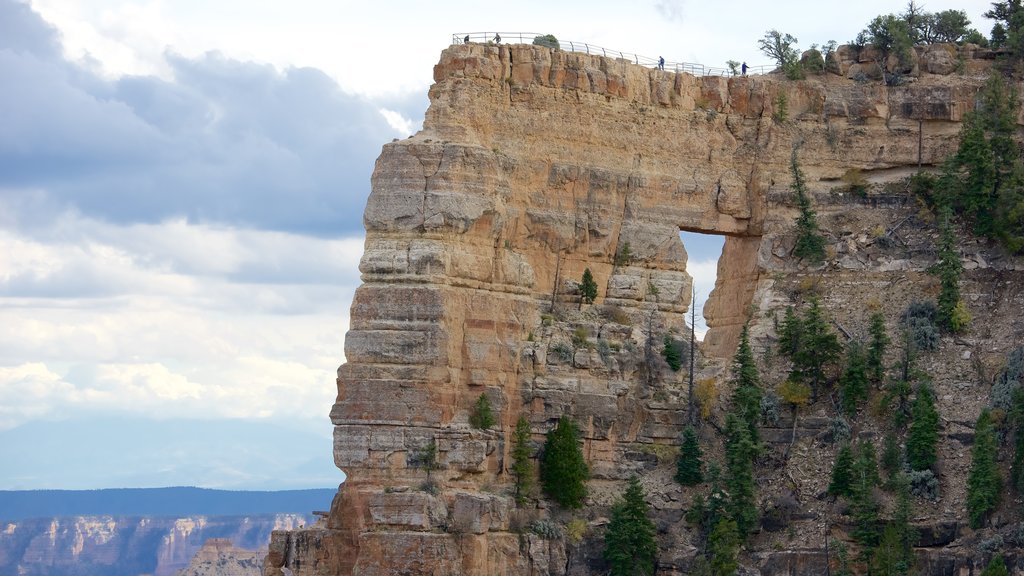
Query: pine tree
{"points": [[948, 269], [563, 471], [876, 347], [588, 288], [672, 354], [746, 396], [723, 546], [810, 245], [863, 503], [688, 468], [739, 459], [522, 464], [842, 473], [923, 436], [790, 334], [895, 552], [819, 347], [996, 567], [629, 545], [482, 416], [892, 456], [983, 482], [854, 381], [1017, 421]]}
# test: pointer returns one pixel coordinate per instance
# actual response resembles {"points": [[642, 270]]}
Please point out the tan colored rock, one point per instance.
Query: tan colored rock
{"points": [[219, 557]]}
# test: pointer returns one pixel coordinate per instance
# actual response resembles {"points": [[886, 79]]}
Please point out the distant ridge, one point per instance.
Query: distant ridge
{"points": [[173, 501]]}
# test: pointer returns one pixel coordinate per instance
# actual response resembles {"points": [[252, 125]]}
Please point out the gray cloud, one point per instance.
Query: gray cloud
{"points": [[225, 141]]}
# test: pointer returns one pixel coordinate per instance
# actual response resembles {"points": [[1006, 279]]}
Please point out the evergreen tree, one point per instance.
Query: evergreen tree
{"points": [[892, 456], [842, 473], [629, 545], [790, 334], [705, 513], [923, 435], [876, 347], [854, 382], [746, 396], [688, 468], [723, 546], [482, 416], [996, 567], [588, 288], [948, 269], [522, 463], [672, 354], [983, 482], [810, 245], [739, 458], [863, 504], [819, 347], [1017, 421], [895, 552], [563, 471]]}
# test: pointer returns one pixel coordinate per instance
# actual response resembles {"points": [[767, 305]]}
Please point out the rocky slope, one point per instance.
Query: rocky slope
{"points": [[219, 557], [535, 164], [128, 546]]}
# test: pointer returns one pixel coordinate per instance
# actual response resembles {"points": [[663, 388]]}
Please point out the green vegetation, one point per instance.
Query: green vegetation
{"points": [[810, 245], [983, 481], [588, 288], [863, 505], [790, 334], [629, 545], [923, 436], [522, 463], [673, 353], [780, 47], [853, 384], [842, 473], [688, 467], [546, 40], [481, 416], [1008, 31], [624, 255], [819, 347], [951, 309], [876, 347], [723, 546], [740, 452], [996, 567], [1017, 422], [746, 396], [563, 471]]}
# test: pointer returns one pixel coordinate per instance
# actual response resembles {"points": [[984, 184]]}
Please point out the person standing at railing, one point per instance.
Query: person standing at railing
{"points": [[661, 63], [497, 38], [467, 39], [742, 68]]}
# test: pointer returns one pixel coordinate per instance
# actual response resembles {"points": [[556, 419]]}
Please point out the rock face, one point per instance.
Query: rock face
{"points": [[534, 165], [113, 546], [219, 557]]}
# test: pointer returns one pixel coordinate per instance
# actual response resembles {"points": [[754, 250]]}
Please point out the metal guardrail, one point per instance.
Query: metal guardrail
{"points": [[586, 48]]}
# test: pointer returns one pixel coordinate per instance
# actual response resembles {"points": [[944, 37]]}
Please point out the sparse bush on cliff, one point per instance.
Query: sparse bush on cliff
{"points": [[563, 470], [482, 416], [629, 545], [919, 319], [546, 40], [924, 484]]}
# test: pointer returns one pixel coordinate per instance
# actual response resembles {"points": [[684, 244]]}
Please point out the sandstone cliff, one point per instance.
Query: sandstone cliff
{"points": [[535, 164], [220, 557]]}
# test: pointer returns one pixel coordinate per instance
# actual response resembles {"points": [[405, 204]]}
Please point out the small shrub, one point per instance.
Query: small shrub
{"points": [[562, 351], [547, 320], [579, 337], [616, 314], [673, 353], [781, 112], [430, 487], [920, 319], [770, 408], [856, 182], [603, 349], [624, 255], [546, 40], [546, 529], [839, 430], [794, 393], [1008, 380], [992, 545], [706, 393], [924, 484], [960, 317], [576, 529]]}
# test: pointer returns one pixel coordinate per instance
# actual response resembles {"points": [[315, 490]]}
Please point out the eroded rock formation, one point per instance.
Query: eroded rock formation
{"points": [[532, 166]]}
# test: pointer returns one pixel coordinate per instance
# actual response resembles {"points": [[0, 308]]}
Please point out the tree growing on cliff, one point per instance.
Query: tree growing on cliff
{"points": [[740, 452], [780, 47], [819, 347], [853, 384], [923, 436], [842, 473], [688, 467], [810, 244], [952, 312], [629, 545], [983, 482], [996, 567], [876, 347], [723, 547], [522, 461], [588, 288], [863, 505], [481, 416], [563, 470], [746, 396], [672, 352]]}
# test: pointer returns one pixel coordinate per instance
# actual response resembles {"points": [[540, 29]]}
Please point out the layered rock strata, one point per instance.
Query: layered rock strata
{"points": [[534, 165]]}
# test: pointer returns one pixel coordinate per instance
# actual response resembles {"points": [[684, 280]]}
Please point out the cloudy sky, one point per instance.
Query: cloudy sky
{"points": [[181, 191]]}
